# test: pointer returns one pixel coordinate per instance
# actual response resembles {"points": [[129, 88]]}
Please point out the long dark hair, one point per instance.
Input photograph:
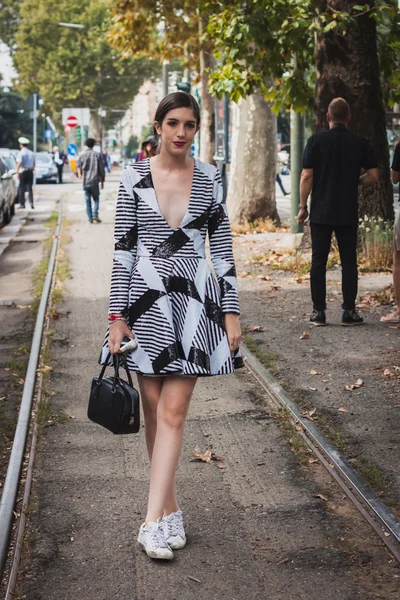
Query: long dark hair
{"points": [[176, 100]]}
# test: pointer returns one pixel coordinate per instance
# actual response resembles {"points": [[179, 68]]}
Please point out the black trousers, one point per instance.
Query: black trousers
{"points": [[25, 185], [346, 236], [60, 172]]}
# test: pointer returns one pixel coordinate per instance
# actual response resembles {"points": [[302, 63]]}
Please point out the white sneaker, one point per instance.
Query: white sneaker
{"points": [[151, 540], [393, 317], [174, 531]]}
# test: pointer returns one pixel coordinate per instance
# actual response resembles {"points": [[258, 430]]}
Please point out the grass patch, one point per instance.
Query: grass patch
{"points": [[375, 242], [375, 478], [297, 445], [266, 359], [292, 261]]}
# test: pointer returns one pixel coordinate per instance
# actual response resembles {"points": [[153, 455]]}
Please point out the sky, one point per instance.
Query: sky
{"points": [[6, 65]]}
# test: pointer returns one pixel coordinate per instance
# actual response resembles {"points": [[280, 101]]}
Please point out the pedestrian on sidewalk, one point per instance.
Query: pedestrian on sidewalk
{"points": [[58, 159], [332, 165], [25, 169], [147, 149], [91, 169], [278, 175], [186, 324], [106, 160], [394, 317]]}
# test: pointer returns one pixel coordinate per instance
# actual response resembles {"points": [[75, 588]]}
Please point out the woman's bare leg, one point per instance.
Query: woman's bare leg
{"points": [[396, 276], [171, 416], [150, 390]]}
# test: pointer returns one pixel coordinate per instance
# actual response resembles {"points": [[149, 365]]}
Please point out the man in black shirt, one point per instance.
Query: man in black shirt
{"points": [[394, 317], [332, 164]]}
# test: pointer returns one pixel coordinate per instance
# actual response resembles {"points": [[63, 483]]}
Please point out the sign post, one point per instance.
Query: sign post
{"points": [[34, 101]]}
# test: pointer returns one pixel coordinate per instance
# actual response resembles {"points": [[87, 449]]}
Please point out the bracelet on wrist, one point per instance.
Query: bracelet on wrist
{"points": [[303, 207], [118, 317], [116, 320]]}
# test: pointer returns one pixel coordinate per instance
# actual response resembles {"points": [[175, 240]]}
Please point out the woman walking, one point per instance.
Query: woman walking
{"points": [[186, 323]]}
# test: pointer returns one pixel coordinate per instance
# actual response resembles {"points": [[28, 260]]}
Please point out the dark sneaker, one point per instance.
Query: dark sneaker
{"points": [[96, 220], [351, 317], [318, 318]]}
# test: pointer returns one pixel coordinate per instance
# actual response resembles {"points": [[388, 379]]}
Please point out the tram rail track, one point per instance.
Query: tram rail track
{"points": [[19, 453], [385, 524]]}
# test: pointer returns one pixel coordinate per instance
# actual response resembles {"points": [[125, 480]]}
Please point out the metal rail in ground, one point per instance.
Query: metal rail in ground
{"points": [[11, 483], [350, 478]]}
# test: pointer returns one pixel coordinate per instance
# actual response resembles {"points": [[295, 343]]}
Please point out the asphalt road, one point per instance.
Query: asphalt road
{"points": [[259, 524]]}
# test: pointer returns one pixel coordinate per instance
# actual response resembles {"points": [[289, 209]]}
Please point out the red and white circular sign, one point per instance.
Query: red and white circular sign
{"points": [[72, 121]]}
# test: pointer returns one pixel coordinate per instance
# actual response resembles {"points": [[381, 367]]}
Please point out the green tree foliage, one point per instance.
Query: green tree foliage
{"points": [[270, 45], [14, 119], [74, 67], [165, 29], [132, 146], [9, 16]]}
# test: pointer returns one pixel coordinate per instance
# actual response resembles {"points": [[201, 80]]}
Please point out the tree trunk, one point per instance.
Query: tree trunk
{"points": [[207, 132], [347, 66], [251, 191]]}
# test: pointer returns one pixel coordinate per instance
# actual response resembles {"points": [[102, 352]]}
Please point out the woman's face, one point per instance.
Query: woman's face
{"points": [[177, 131]]}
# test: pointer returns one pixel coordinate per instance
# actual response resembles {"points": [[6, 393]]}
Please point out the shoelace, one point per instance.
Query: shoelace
{"points": [[157, 536], [173, 524]]}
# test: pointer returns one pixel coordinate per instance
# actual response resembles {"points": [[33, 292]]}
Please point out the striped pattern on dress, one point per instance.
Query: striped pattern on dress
{"points": [[161, 280]]}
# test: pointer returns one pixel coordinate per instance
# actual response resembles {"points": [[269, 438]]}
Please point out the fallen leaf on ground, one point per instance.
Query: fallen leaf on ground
{"points": [[354, 386], [312, 460], [309, 414], [45, 369], [264, 277], [305, 336], [313, 372], [299, 428], [321, 496], [312, 389], [274, 288], [343, 410], [194, 579], [256, 328], [207, 457]]}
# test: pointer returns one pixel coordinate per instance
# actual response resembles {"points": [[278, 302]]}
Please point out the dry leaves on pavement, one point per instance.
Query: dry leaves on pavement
{"points": [[391, 373], [309, 414], [305, 336], [255, 328], [208, 456], [354, 386]]}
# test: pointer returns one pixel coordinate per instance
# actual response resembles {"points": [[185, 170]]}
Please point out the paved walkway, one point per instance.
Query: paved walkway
{"points": [[259, 525]]}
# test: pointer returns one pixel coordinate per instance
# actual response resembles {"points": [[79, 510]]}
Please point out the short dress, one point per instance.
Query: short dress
{"points": [[162, 283]]}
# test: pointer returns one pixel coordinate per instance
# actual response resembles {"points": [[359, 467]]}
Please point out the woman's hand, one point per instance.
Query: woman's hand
{"points": [[118, 330], [233, 330]]}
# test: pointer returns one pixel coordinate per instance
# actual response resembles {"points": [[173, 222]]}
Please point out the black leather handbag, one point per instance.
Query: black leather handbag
{"points": [[113, 402]]}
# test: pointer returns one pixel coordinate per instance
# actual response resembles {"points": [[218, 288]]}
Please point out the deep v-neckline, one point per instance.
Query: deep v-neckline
{"points": [[158, 204]]}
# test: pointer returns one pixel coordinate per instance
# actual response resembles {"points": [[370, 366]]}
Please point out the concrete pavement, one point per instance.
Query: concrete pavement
{"points": [[259, 525]]}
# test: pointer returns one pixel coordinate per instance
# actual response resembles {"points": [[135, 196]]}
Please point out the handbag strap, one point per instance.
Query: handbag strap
{"points": [[117, 360]]}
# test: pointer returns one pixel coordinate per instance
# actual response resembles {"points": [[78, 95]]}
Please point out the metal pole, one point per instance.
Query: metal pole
{"points": [[82, 136], [165, 77], [35, 111], [296, 155]]}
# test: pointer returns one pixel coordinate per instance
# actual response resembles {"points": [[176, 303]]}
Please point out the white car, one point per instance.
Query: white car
{"points": [[45, 169]]}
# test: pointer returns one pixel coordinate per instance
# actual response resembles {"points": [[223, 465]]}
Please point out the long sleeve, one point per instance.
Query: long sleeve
{"points": [[125, 242], [220, 236]]}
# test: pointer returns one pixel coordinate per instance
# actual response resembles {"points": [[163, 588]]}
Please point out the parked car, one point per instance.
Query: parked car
{"points": [[7, 208], [10, 159], [45, 169]]}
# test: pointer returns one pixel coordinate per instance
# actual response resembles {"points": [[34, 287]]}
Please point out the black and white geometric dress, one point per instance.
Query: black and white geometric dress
{"points": [[161, 280]]}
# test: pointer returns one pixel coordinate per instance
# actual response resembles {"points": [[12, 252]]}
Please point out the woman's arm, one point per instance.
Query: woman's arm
{"points": [[125, 243], [220, 236]]}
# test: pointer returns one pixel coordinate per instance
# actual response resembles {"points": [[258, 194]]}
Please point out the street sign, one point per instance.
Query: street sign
{"points": [[48, 134], [34, 99], [72, 121], [72, 150], [82, 114]]}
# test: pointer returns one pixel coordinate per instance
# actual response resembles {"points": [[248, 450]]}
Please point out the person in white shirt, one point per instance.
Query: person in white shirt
{"points": [[25, 168]]}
